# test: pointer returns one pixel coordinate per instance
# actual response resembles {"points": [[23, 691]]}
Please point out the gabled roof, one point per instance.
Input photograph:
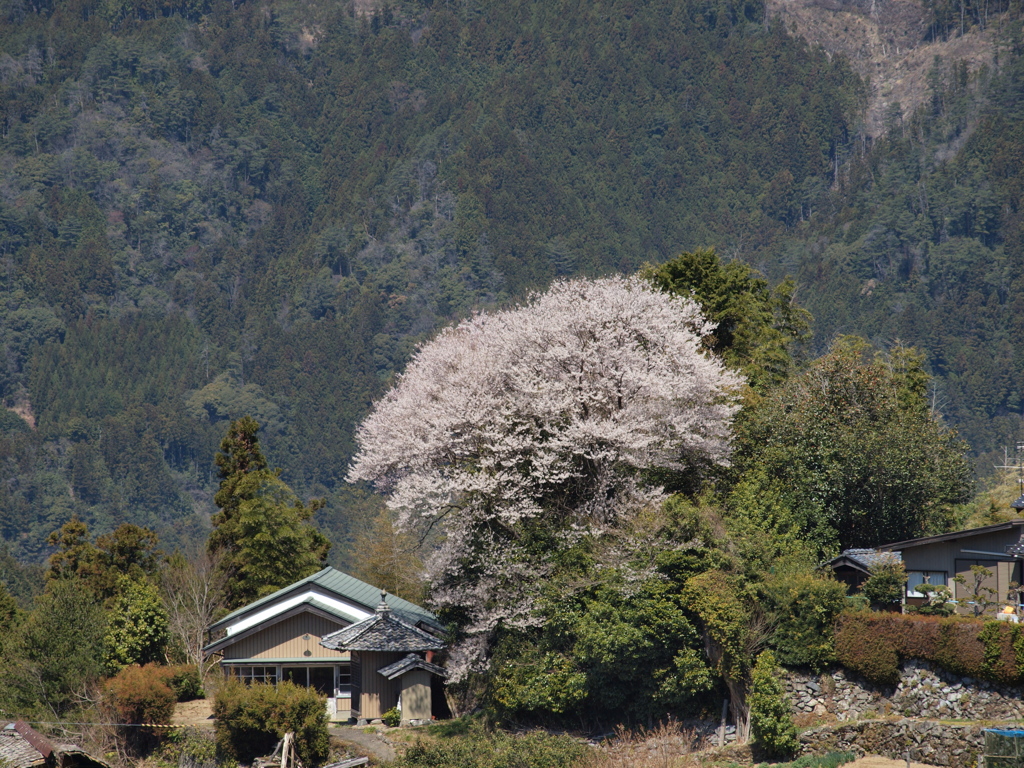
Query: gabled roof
{"points": [[409, 663], [964, 534], [342, 585], [384, 631], [863, 559]]}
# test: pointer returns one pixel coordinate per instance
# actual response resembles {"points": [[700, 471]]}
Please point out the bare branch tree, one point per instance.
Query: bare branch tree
{"points": [[193, 592]]}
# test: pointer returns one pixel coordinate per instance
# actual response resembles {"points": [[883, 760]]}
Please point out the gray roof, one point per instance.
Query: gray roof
{"points": [[23, 747], [954, 535], [384, 631], [345, 586], [409, 663], [869, 558], [16, 752], [863, 559]]}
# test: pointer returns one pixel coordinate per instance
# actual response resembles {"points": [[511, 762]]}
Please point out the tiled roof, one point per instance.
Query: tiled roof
{"points": [[16, 752], [345, 586], [23, 747], [384, 631], [869, 558], [409, 663]]}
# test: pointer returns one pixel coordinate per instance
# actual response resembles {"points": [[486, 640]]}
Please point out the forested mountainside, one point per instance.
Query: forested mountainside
{"points": [[227, 208]]}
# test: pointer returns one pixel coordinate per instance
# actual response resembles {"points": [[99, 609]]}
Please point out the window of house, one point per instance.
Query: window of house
{"points": [[320, 679], [250, 675], [917, 578]]}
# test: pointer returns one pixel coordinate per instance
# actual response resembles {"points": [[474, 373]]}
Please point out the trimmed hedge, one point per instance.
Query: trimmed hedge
{"points": [[873, 645]]}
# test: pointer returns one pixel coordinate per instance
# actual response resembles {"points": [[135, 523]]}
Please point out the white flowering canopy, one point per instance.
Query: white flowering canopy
{"points": [[544, 413]]}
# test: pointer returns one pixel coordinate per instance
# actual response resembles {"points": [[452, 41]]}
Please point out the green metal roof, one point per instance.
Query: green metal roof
{"points": [[348, 587], [288, 661]]}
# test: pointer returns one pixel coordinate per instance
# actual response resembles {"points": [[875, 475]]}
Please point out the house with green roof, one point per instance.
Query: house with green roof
{"points": [[279, 638]]}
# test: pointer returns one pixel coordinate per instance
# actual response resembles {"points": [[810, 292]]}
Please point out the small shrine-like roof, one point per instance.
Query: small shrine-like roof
{"points": [[409, 663], [384, 631]]}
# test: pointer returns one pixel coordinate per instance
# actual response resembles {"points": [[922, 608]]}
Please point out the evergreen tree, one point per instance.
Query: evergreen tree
{"points": [[756, 326], [262, 535], [771, 721], [239, 455], [137, 629]]}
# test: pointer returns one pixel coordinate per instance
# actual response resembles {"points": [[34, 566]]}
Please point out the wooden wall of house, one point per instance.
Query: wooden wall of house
{"points": [[287, 640], [379, 694], [416, 704]]}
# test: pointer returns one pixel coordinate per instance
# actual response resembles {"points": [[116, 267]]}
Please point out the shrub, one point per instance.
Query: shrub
{"points": [[885, 584], [392, 718], [771, 721], [999, 651], [186, 682], [188, 748], [805, 607], [252, 719], [960, 651], [476, 747], [139, 695]]}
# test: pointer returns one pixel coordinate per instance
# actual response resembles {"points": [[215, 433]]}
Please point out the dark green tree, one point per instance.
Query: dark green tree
{"points": [[129, 550], [239, 455], [263, 535], [771, 718], [57, 654], [849, 453], [758, 326]]}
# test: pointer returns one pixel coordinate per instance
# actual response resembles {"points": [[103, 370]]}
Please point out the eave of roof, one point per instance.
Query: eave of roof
{"points": [[308, 602], [343, 585], [952, 536]]}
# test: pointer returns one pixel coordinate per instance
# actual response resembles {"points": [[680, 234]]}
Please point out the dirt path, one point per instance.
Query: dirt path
{"points": [[872, 761], [366, 740], [197, 713]]}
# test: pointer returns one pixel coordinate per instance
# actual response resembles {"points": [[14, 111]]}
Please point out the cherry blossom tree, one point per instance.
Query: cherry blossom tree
{"points": [[521, 432]]}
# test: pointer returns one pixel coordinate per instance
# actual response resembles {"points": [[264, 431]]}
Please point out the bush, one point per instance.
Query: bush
{"points": [[252, 719], [186, 682], [805, 607], [188, 748], [476, 747], [771, 720], [392, 718], [885, 584], [138, 695]]}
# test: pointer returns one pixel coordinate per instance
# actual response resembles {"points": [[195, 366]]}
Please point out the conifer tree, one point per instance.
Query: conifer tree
{"points": [[262, 535]]}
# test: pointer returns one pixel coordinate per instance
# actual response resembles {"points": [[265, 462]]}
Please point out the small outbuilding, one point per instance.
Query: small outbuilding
{"points": [[392, 648]]}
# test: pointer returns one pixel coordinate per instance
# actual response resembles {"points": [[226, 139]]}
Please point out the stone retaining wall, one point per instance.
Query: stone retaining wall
{"points": [[953, 746], [922, 692]]}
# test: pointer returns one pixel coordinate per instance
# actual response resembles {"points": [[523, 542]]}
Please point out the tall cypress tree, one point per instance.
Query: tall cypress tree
{"points": [[262, 536]]}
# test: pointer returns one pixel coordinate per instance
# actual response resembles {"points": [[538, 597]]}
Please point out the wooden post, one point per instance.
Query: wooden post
{"points": [[721, 728]]}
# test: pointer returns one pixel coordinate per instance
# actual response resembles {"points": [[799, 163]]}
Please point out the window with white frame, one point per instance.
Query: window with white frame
{"points": [[916, 578]]}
